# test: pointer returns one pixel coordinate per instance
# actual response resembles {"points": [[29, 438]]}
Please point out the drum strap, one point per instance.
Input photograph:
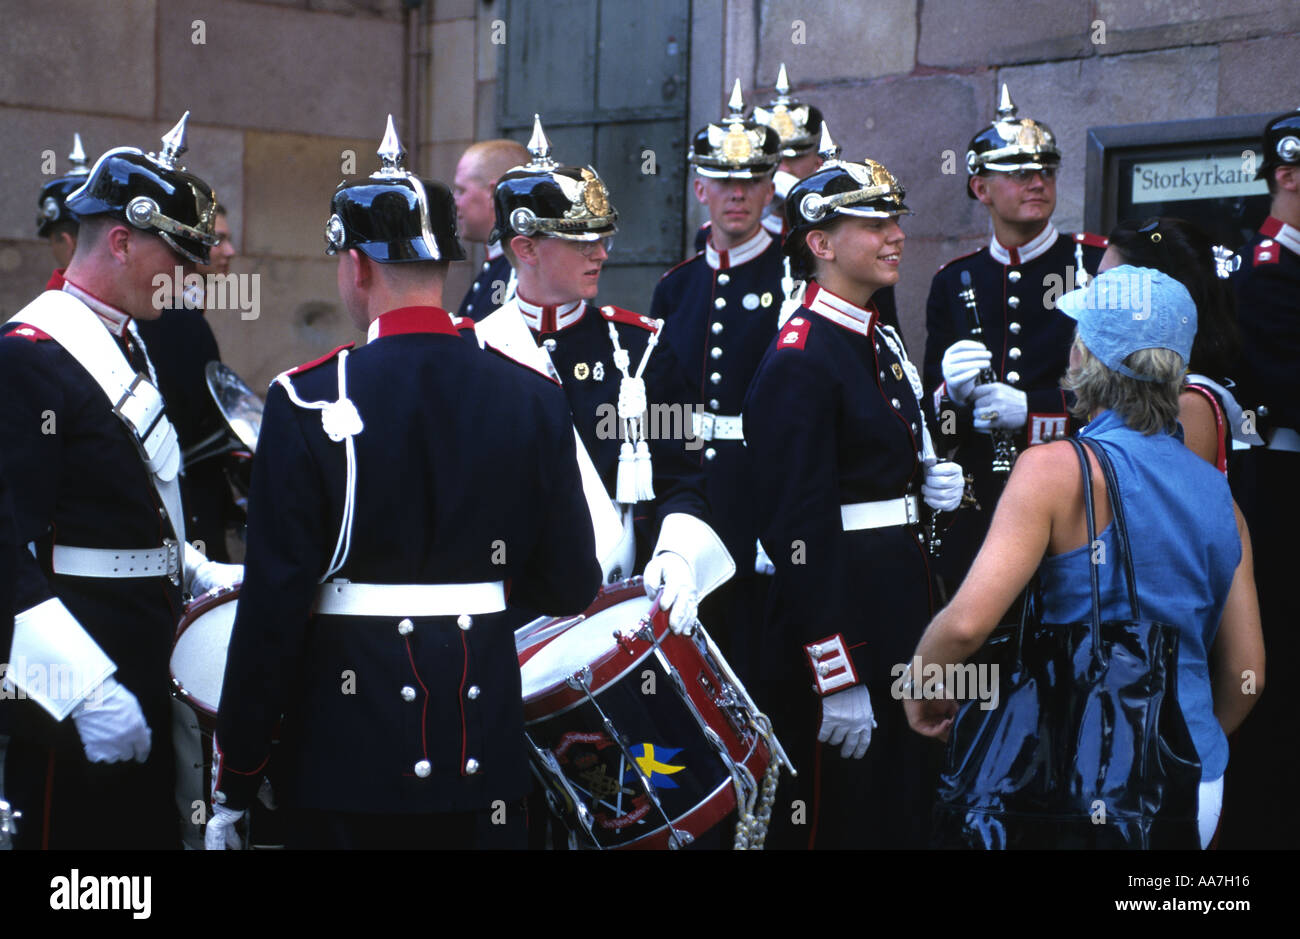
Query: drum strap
{"points": [[341, 422], [135, 401]]}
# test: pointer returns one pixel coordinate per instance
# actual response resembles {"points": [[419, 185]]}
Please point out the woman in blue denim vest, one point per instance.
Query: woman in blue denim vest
{"points": [[1192, 555]]}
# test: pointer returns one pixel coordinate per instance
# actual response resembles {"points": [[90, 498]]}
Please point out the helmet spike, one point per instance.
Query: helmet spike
{"points": [[782, 83], [173, 144], [737, 102], [828, 149], [391, 152], [78, 157], [1007, 108], [539, 147]]}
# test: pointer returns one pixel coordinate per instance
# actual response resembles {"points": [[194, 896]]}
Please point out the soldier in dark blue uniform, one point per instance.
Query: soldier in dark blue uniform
{"points": [[477, 173], [92, 461], [386, 524], [799, 126], [55, 222], [630, 404], [841, 460], [1259, 808], [720, 311], [1025, 341]]}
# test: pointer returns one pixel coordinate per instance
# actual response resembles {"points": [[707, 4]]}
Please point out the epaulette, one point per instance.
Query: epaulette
{"points": [[298, 369], [30, 333], [693, 257], [1266, 252], [462, 323], [961, 257], [1091, 240], [528, 366], [619, 315], [795, 333]]}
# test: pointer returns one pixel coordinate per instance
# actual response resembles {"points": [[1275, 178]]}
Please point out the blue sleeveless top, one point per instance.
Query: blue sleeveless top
{"points": [[1185, 551]]}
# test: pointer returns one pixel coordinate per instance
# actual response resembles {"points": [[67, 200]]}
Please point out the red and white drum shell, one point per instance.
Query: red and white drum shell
{"points": [[651, 716], [198, 661]]}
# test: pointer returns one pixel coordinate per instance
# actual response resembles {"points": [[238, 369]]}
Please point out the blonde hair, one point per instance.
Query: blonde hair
{"points": [[1148, 407]]}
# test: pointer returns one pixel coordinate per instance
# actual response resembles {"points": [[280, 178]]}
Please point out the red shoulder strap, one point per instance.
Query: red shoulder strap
{"points": [[1091, 240], [795, 333], [619, 315], [30, 333], [321, 361]]}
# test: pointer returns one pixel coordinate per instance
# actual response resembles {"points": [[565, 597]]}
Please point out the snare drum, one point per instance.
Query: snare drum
{"points": [[637, 736], [199, 654]]}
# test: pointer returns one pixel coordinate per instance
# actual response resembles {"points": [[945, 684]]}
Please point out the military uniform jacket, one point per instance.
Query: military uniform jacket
{"points": [[1015, 291], [483, 297], [389, 713], [76, 479], [576, 336], [720, 313], [1268, 308], [832, 420]]}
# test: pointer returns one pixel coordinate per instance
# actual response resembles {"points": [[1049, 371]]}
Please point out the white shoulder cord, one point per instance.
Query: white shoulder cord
{"points": [[635, 481], [341, 422], [895, 342]]}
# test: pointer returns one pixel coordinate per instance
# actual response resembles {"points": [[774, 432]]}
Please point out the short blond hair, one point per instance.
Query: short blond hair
{"points": [[1148, 407]]}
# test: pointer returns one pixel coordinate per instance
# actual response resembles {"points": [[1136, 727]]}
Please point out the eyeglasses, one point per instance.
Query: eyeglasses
{"points": [[1023, 176], [588, 248]]}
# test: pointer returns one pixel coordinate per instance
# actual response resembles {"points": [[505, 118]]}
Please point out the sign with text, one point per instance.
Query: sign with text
{"points": [[1209, 177]]}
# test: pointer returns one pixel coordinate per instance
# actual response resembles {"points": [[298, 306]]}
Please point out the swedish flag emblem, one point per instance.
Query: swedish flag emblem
{"points": [[654, 762]]}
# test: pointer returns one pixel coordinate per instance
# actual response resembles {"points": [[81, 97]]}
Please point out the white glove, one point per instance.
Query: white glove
{"points": [[762, 561], [211, 574], [999, 407], [679, 598], [847, 717], [220, 832], [112, 726], [961, 365], [943, 486]]}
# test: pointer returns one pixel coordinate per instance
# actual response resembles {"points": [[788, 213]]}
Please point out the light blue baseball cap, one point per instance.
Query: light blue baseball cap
{"points": [[1129, 308]]}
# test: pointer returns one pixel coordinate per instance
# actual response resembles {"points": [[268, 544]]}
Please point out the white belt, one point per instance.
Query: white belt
{"points": [[1284, 438], [884, 514], [341, 598], [710, 426], [119, 562]]}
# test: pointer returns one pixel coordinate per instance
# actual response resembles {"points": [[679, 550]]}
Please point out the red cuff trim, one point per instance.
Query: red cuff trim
{"points": [[831, 665], [1044, 428]]}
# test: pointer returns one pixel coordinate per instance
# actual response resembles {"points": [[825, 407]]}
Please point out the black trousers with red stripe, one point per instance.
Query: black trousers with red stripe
{"points": [[882, 801], [69, 803]]}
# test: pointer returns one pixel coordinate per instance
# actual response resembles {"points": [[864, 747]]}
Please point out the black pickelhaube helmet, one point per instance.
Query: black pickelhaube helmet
{"points": [[799, 125], [544, 198], [54, 194], [1011, 143], [1281, 143], [394, 216], [150, 192], [839, 188], [734, 147]]}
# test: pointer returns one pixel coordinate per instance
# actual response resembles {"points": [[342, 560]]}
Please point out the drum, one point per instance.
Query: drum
{"points": [[641, 738], [198, 661]]}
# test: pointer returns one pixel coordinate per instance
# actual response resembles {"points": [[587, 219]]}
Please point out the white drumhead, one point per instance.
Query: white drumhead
{"points": [[580, 645], [199, 658]]}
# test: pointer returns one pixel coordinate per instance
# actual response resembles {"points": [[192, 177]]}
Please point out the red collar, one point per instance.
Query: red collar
{"points": [[1281, 232], [839, 311], [550, 319], [411, 319], [115, 321], [56, 280]]}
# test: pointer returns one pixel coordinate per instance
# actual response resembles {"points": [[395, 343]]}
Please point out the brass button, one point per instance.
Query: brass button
{"points": [[423, 769]]}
